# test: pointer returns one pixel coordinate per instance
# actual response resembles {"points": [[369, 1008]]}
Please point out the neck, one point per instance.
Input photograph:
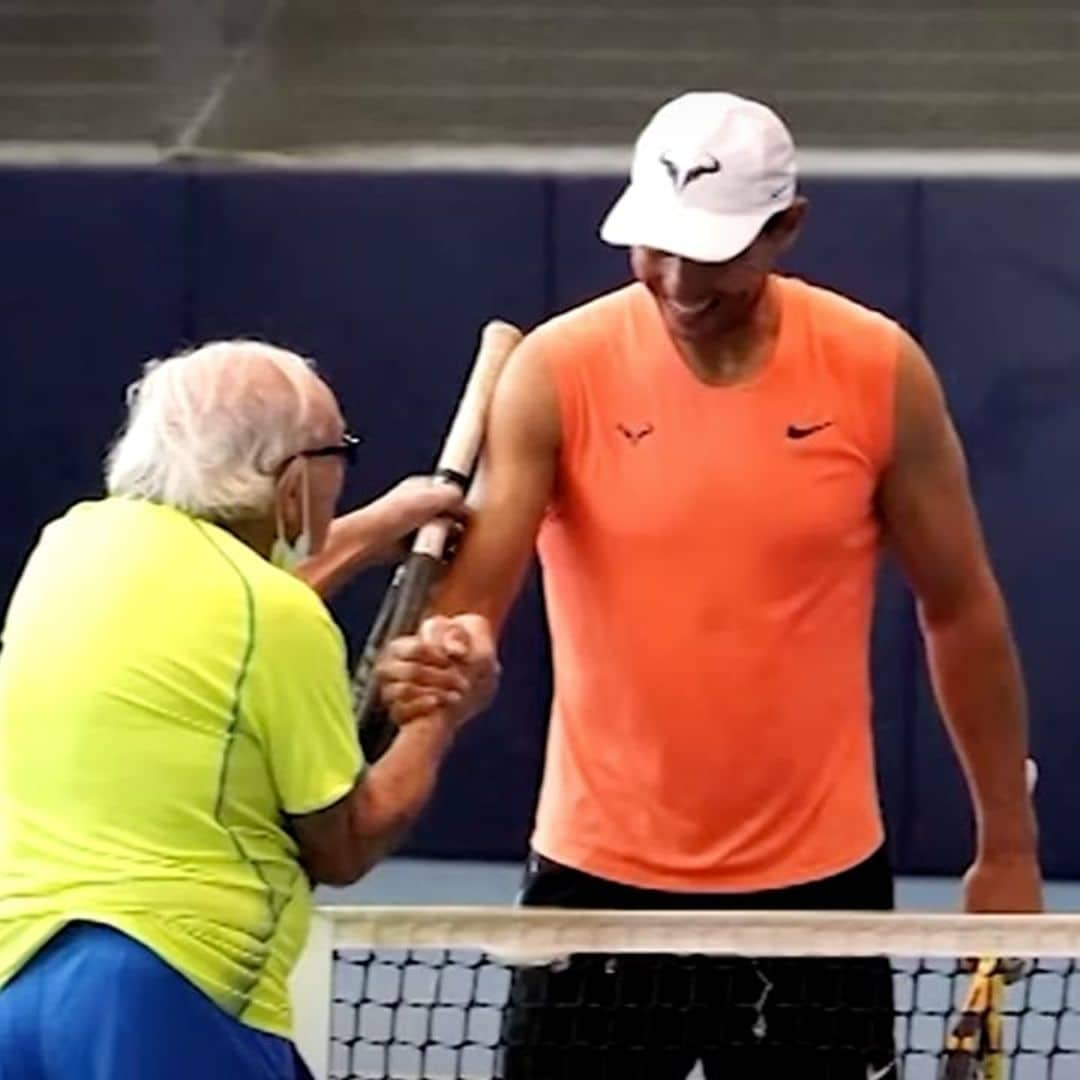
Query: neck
{"points": [[258, 535], [733, 355]]}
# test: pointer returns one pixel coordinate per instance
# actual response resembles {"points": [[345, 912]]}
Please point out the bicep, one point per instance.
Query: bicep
{"points": [[514, 485], [925, 496]]}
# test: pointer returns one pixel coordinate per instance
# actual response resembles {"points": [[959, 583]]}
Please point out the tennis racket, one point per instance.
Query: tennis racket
{"points": [[403, 604], [974, 1047]]}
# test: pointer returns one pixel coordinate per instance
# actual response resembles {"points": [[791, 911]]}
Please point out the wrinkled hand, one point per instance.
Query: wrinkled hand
{"points": [[381, 526], [448, 670], [417, 500], [1005, 884]]}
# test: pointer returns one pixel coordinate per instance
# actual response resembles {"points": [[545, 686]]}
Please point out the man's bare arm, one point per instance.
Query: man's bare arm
{"points": [[932, 523], [516, 481], [433, 682], [373, 532]]}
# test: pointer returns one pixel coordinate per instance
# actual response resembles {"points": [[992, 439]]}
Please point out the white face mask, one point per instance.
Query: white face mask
{"points": [[283, 554]]}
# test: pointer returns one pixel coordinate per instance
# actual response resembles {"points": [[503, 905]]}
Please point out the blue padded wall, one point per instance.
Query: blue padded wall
{"points": [[385, 279], [582, 265], [93, 281]]}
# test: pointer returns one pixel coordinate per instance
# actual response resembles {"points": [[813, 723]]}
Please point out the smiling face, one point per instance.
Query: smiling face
{"points": [[702, 302]]}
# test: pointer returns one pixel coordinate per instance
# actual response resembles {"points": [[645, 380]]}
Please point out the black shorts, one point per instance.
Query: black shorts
{"points": [[647, 1017]]}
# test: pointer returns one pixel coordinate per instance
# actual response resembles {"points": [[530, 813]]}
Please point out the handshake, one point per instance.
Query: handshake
{"points": [[446, 672]]}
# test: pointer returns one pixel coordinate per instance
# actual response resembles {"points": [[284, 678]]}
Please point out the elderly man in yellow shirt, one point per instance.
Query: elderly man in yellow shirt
{"points": [[178, 753]]}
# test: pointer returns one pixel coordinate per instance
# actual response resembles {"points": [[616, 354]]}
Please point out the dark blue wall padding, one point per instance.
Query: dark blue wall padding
{"points": [[893, 656], [386, 280], [582, 265], [858, 239], [92, 284], [484, 805], [1001, 320]]}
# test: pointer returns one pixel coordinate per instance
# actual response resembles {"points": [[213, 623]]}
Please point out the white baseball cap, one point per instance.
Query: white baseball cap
{"points": [[709, 170]]}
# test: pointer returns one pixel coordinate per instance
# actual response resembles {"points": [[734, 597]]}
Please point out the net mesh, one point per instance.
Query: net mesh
{"points": [[515, 994]]}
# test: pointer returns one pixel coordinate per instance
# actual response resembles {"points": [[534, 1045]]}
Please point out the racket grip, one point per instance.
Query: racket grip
{"points": [[421, 571], [412, 586], [364, 674]]}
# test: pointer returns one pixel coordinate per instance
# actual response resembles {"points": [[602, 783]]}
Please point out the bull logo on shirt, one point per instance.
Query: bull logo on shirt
{"points": [[634, 435]]}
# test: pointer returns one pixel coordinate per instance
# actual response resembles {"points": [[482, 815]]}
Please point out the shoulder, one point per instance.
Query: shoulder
{"points": [[291, 605], [830, 310], [574, 349], [541, 384], [920, 407], [294, 636], [104, 536], [285, 613], [115, 517], [861, 345], [857, 350]]}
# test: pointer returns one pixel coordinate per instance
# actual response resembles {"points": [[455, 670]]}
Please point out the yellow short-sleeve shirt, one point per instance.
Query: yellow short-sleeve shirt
{"points": [[167, 700]]}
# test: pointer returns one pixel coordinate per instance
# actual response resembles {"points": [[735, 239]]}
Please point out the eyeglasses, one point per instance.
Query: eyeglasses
{"points": [[347, 449]]}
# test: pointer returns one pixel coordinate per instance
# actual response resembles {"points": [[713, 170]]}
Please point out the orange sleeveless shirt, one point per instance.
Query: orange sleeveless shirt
{"points": [[709, 561]]}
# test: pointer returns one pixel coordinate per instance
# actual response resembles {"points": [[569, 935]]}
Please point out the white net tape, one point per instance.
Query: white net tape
{"points": [[509, 992]]}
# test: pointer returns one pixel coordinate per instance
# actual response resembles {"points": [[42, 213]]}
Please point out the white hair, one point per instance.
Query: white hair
{"points": [[207, 429]]}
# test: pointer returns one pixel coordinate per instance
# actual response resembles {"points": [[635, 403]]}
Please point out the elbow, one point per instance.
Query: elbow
{"points": [[979, 610], [339, 845], [358, 849], [339, 869]]}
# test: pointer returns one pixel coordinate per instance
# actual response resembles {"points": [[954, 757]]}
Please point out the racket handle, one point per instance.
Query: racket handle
{"points": [[421, 570], [400, 614], [363, 675]]}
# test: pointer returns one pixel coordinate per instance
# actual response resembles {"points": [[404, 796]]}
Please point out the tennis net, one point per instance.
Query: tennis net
{"points": [[484, 993]]}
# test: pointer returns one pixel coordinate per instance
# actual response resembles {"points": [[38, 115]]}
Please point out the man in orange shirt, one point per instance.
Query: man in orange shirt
{"points": [[710, 460]]}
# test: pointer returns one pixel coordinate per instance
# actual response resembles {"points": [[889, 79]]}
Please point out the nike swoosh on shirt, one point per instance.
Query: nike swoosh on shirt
{"points": [[796, 432]]}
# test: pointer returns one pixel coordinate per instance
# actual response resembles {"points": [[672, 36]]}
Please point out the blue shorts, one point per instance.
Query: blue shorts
{"points": [[97, 1005]]}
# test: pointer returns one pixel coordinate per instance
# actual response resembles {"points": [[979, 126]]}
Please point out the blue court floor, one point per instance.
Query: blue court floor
{"points": [[423, 881]]}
